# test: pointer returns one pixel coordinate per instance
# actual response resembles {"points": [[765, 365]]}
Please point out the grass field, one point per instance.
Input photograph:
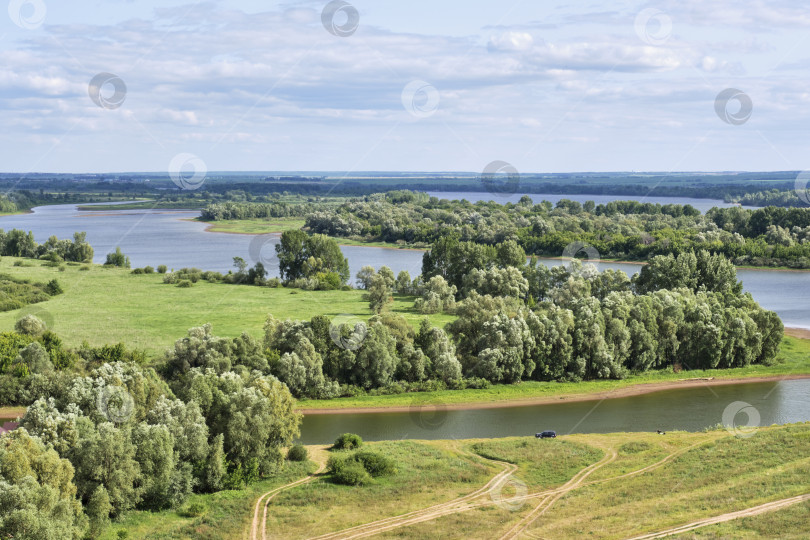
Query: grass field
{"points": [[110, 305], [607, 486]]}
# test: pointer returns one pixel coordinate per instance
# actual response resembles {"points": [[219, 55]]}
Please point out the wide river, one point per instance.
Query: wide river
{"points": [[174, 239], [690, 409]]}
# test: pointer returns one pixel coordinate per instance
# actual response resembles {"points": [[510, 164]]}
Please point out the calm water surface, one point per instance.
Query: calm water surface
{"points": [[689, 409]]}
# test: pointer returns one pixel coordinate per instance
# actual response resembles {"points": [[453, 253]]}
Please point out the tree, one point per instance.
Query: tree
{"points": [[377, 360], [106, 456], [37, 493], [117, 259], [380, 293], [33, 359], [303, 256], [403, 284], [365, 275], [98, 510], [496, 282]]}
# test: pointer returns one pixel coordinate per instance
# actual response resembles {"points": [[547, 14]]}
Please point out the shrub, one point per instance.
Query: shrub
{"points": [[162, 269], [348, 472], [184, 284], [138, 271], [195, 509], [348, 441], [376, 464], [148, 270], [84, 268], [298, 453], [30, 326], [53, 288]]}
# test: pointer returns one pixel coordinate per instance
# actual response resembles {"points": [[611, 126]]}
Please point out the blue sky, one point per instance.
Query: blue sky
{"points": [[418, 86]]}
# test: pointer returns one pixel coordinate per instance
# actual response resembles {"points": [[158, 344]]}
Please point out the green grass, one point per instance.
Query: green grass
{"points": [[255, 226], [427, 473], [720, 476], [789, 523], [543, 463], [228, 513], [110, 305]]}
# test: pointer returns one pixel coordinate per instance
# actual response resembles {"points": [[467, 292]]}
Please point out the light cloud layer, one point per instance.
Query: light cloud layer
{"points": [[247, 87]]}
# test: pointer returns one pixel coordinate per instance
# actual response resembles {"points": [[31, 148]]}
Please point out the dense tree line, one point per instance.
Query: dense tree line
{"points": [[17, 243], [772, 197], [626, 230]]}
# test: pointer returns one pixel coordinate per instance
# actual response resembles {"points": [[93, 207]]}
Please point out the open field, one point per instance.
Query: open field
{"points": [[610, 486], [107, 305]]}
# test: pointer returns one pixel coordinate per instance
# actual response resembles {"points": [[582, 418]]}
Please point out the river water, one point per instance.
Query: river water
{"points": [[690, 409]]}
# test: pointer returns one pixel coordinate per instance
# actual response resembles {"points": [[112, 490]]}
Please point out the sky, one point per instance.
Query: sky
{"points": [[383, 85]]}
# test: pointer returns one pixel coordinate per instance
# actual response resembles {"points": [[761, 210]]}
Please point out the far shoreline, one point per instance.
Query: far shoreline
{"points": [[627, 391]]}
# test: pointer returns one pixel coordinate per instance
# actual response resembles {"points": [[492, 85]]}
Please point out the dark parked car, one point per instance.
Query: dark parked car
{"points": [[546, 435]]}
